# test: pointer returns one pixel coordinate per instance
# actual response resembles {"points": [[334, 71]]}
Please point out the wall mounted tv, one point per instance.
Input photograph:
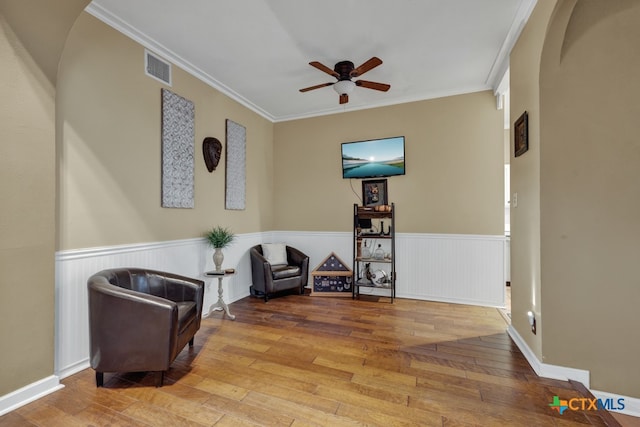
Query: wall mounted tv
{"points": [[373, 158]]}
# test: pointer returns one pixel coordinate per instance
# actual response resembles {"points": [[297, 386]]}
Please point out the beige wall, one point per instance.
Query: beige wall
{"points": [[109, 152], [574, 232], [454, 159], [42, 27], [507, 150], [32, 34], [590, 210], [525, 177]]}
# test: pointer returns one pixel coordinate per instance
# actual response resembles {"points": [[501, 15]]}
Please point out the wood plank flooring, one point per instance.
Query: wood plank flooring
{"points": [[317, 361]]}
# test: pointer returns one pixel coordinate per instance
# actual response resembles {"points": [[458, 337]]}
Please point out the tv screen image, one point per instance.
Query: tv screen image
{"points": [[373, 158]]}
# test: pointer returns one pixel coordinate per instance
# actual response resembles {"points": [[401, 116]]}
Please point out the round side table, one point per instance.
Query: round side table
{"points": [[220, 304]]}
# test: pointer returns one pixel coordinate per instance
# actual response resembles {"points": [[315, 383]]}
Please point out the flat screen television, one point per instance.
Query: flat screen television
{"points": [[373, 158]]}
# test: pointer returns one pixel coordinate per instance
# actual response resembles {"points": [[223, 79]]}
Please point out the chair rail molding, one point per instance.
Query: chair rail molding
{"points": [[467, 269], [189, 257], [456, 268]]}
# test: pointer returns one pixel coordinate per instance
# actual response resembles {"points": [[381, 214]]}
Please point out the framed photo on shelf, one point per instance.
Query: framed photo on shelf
{"points": [[374, 192], [521, 134]]}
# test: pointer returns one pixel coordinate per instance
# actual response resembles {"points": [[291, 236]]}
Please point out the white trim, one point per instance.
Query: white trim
{"points": [[453, 268], [147, 42], [449, 300], [481, 237], [29, 393], [192, 257], [501, 63], [118, 24], [345, 108], [440, 275], [631, 404], [72, 369], [120, 249], [563, 373], [545, 370]]}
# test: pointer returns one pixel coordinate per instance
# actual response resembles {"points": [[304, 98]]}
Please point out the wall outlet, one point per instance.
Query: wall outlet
{"points": [[532, 321], [514, 200]]}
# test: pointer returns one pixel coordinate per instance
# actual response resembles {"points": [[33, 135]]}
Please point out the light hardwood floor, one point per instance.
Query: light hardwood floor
{"points": [[303, 360]]}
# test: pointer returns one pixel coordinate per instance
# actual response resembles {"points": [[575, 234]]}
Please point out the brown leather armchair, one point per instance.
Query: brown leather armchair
{"points": [[270, 279], [140, 320]]}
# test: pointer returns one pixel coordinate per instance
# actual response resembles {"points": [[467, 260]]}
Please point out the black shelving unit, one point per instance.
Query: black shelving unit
{"points": [[382, 270]]}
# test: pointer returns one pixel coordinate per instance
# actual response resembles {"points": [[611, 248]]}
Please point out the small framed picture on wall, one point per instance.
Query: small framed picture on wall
{"points": [[521, 134], [374, 192]]}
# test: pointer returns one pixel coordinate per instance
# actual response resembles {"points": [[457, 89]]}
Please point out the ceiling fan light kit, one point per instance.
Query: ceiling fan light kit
{"points": [[344, 87], [344, 71]]}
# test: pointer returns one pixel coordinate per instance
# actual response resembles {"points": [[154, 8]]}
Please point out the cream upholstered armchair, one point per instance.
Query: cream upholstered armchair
{"points": [[276, 267]]}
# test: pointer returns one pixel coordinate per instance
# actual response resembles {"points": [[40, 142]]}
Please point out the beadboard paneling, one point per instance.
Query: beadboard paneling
{"points": [[465, 269], [190, 257]]}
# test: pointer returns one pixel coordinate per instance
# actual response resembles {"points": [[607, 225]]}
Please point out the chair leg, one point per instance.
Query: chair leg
{"points": [[99, 379], [266, 297], [191, 341], [159, 378]]}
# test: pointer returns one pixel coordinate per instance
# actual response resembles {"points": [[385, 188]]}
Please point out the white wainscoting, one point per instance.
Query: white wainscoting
{"points": [[190, 257], [465, 269]]}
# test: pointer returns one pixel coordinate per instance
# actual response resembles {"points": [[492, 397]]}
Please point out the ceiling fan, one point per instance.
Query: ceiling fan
{"points": [[344, 71]]}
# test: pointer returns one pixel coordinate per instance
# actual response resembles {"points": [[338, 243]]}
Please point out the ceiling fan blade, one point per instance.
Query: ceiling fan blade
{"points": [[373, 85], [306, 89], [324, 68], [370, 64], [344, 98]]}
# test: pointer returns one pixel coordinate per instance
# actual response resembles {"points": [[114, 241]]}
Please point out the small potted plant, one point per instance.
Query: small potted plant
{"points": [[218, 238]]}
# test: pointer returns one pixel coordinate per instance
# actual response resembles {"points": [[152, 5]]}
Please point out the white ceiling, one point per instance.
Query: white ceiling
{"points": [[257, 51]]}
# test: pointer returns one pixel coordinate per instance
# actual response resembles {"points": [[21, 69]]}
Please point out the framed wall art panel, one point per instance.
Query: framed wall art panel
{"points": [[178, 145], [374, 192], [521, 135], [236, 166]]}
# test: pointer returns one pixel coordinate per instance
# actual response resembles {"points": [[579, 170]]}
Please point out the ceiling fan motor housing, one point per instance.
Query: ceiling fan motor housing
{"points": [[344, 68]]}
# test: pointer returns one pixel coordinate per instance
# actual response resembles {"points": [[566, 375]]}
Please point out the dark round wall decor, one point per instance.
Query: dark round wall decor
{"points": [[212, 150]]}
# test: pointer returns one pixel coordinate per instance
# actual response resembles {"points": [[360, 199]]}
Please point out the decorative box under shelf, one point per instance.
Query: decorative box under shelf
{"points": [[332, 277]]}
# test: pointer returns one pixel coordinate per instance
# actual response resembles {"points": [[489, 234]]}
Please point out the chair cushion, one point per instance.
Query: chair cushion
{"points": [[186, 314], [285, 271], [275, 253]]}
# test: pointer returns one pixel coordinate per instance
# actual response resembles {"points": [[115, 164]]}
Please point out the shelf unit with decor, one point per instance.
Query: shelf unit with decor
{"points": [[371, 269]]}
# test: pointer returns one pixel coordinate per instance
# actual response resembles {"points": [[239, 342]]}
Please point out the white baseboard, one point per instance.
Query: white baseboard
{"points": [[563, 373], [453, 268], [73, 369], [429, 267], [545, 370], [631, 404], [29, 393]]}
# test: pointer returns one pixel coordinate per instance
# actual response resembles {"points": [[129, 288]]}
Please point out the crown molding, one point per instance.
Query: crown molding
{"points": [[493, 80], [501, 63], [118, 24]]}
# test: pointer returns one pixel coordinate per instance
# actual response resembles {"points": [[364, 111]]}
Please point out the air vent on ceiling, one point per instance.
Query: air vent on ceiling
{"points": [[157, 68]]}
